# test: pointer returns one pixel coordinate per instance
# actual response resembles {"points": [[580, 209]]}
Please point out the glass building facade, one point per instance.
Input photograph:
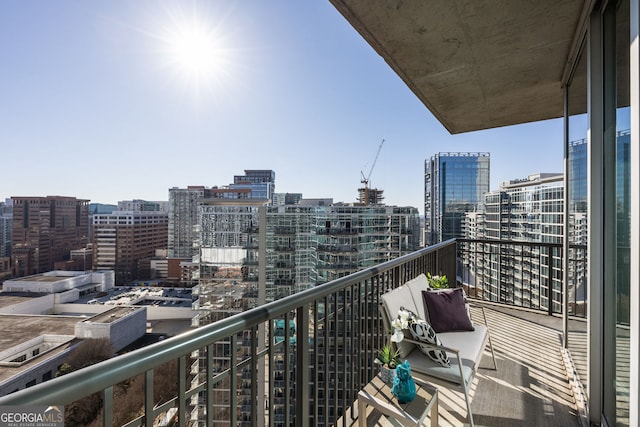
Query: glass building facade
{"points": [[251, 252], [455, 183]]}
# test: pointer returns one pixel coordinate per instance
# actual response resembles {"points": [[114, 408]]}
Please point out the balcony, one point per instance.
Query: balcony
{"points": [[241, 359]]}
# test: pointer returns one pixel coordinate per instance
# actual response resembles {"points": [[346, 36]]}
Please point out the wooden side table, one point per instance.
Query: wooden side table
{"points": [[378, 395]]}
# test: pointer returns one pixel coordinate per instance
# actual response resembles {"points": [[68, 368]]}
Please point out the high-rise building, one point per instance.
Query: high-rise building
{"points": [[45, 230], [121, 239], [527, 210], [291, 248], [261, 182], [6, 221], [248, 245], [577, 231], [138, 205], [286, 198], [184, 204], [183, 219], [252, 253], [454, 184]]}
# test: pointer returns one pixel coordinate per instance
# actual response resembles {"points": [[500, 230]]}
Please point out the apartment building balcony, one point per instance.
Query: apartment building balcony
{"points": [[312, 376], [337, 248], [337, 231], [285, 231]]}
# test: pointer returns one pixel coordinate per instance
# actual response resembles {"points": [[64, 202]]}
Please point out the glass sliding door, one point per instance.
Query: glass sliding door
{"points": [[616, 292], [576, 221], [623, 211]]}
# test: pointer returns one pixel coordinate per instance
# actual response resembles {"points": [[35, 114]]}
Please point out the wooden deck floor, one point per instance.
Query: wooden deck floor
{"points": [[530, 386]]}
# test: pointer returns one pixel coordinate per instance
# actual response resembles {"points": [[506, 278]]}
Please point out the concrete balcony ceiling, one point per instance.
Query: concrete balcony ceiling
{"points": [[475, 64]]}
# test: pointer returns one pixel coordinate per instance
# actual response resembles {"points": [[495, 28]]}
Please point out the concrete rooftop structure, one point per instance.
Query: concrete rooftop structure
{"points": [[7, 299], [17, 329], [475, 64]]}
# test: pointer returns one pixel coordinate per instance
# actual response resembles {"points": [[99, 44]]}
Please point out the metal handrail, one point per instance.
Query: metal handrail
{"points": [[101, 376], [346, 309]]}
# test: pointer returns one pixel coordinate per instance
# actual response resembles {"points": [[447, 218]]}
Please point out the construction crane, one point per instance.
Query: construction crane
{"points": [[365, 196]]}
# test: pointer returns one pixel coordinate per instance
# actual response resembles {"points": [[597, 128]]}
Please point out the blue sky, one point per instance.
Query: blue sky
{"points": [[100, 101]]}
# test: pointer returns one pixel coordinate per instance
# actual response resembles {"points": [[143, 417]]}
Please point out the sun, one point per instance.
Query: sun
{"points": [[195, 52], [195, 48]]}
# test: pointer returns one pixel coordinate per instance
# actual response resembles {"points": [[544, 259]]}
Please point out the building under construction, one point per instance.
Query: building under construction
{"points": [[370, 196], [366, 195]]}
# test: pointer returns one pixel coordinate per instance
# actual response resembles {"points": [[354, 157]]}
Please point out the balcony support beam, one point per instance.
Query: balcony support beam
{"points": [[566, 225], [634, 386], [595, 215], [148, 398]]}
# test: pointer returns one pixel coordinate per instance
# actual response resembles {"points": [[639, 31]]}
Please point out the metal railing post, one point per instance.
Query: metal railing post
{"points": [[337, 323], [302, 364]]}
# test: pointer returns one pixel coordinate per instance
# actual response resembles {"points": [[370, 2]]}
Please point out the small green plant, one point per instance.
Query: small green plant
{"points": [[437, 282], [387, 356]]}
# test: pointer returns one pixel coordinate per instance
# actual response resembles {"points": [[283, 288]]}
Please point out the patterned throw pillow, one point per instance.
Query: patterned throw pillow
{"points": [[421, 331]]}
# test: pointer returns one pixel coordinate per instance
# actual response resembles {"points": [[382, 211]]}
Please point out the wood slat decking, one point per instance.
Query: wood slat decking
{"points": [[530, 387]]}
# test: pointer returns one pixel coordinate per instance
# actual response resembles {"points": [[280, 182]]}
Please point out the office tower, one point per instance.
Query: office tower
{"points": [[121, 239], [6, 221], [454, 184], [101, 208], [261, 182], [623, 225], [45, 230], [577, 232], [138, 205]]}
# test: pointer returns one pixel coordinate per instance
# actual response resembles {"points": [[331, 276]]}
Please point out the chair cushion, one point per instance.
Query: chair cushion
{"points": [[447, 310], [416, 286], [392, 302], [424, 365], [471, 345]]}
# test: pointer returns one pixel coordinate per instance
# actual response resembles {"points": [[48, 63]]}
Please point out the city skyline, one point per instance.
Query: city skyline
{"points": [[113, 101]]}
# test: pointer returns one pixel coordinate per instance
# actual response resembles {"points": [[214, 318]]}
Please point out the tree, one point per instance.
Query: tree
{"points": [[87, 352]]}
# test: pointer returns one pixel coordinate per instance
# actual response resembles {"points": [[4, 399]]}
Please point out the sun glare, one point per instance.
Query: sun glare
{"points": [[195, 49]]}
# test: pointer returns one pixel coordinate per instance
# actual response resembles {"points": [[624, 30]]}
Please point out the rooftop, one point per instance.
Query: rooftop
{"points": [[111, 315], [8, 299], [47, 278], [17, 329]]}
